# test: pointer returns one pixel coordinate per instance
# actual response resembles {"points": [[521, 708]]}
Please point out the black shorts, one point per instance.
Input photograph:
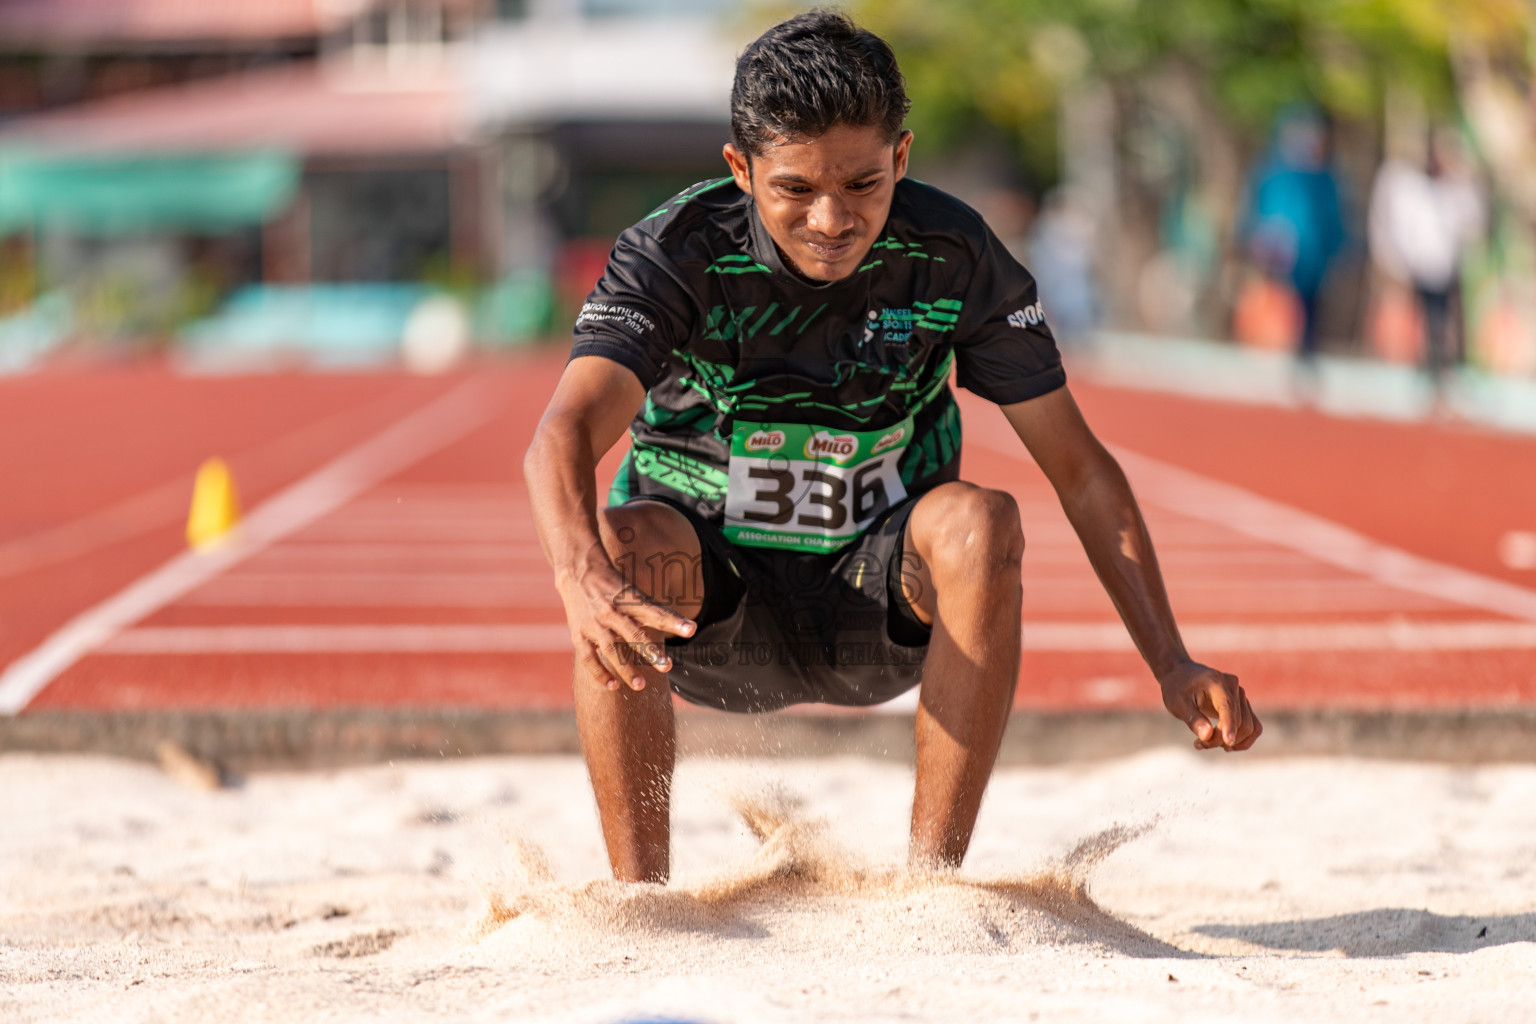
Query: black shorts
{"points": [[782, 627]]}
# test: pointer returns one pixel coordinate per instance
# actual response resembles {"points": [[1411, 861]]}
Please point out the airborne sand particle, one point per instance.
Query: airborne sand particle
{"points": [[799, 870]]}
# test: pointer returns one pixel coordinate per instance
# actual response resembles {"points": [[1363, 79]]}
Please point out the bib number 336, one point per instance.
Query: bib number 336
{"points": [[808, 488]]}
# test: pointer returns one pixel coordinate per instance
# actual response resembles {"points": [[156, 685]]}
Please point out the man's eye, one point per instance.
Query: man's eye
{"points": [[861, 186], [794, 190]]}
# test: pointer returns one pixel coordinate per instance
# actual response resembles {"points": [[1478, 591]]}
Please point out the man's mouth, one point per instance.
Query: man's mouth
{"points": [[830, 252]]}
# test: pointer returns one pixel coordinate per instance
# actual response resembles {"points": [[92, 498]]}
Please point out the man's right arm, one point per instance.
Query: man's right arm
{"points": [[592, 406]]}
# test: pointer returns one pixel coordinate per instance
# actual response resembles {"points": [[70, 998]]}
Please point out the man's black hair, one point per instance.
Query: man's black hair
{"points": [[811, 73]]}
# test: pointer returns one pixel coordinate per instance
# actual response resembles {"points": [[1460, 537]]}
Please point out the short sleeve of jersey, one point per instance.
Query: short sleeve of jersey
{"points": [[1004, 351], [638, 313]]}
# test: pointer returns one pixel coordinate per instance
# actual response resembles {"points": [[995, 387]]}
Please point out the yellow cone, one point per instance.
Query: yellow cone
{"points": [[215, 506]]}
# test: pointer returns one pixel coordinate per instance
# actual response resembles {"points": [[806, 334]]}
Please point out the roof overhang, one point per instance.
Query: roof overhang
{"points": [[544, 72], [166, 24], [308, 110]]}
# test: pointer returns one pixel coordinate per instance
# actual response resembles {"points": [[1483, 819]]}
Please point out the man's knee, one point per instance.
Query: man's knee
{"points": [[654, 546], [975, 529]]}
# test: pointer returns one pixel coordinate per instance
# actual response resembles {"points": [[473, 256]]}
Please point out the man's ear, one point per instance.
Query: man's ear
{"points": [[741, 166], [903, 146]]}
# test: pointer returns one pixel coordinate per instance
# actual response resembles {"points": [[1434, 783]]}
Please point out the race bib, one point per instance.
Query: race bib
{"points": [[807, 488]]}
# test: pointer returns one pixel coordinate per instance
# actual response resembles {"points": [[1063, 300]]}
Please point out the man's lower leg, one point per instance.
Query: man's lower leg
{"points": [[959, 730], [628, 739], [628, 736], [974, 599]]}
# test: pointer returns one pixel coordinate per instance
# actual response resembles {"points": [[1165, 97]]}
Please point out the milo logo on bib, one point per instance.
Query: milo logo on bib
{"points": [[765, 441], [890, 440], [837, 447], [803, 487]]}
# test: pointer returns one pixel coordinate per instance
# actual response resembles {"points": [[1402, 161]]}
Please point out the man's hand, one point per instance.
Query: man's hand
{"points": [[614, 627], [1212, 704]]}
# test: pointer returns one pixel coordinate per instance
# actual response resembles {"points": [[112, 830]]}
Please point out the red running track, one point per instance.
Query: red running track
{"points": [[1329, 563]]}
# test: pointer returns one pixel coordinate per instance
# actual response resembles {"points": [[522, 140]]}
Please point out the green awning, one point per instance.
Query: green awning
{"points": [[201, 194]]}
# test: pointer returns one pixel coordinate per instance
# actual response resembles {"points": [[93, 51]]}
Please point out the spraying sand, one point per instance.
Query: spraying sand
{"points": [[1169, 886]]}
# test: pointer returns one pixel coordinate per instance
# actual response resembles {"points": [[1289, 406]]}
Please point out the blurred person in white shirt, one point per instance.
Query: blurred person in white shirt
{"points": [[1422, 219]]}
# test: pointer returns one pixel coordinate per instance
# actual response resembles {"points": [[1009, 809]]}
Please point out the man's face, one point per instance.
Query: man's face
{"points": [[824, 200]]}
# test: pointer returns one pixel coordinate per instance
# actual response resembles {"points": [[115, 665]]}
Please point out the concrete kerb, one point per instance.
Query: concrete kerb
{"points": [[1340, 386], [241, 741]]}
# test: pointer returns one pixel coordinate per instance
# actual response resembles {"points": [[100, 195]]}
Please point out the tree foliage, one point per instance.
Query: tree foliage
{"points": [[1002, 64]]}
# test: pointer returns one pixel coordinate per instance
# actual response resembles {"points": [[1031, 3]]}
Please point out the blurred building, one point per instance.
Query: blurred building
{"points": [[59, 52], [284, 144], [307, 158], [602, 109]]}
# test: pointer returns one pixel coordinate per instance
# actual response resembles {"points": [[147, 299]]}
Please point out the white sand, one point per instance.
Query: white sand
{"points": [[1268, 890]]}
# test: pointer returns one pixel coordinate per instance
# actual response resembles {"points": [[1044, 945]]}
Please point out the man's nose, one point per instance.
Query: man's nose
{"points": [[829, 216]]}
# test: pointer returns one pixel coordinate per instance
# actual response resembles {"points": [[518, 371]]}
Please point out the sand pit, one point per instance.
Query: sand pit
{"points": [[1170, 886]]}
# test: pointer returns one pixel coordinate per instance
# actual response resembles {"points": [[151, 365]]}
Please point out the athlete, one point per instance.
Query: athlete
{"points": [[789, 524]]}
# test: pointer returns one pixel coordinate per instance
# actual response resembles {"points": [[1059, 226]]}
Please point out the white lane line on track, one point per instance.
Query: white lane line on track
{"points": [[159, 506], [1235, 509], [302, 592], [1334, 585], [1047, 637], [376, 553], [393, 639], [379, 532], [519, 519], [371, 581], [131, 517], [1271, 557], [413, 438], [1396, 635], [1087, 602]]}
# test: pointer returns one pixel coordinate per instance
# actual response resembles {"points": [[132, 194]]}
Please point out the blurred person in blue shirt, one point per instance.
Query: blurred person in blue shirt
{"points": [[1296, 211], [1061, 247]]}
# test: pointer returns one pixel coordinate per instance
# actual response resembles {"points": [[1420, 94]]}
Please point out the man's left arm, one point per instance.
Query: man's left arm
{"points": [[1098, 502]]}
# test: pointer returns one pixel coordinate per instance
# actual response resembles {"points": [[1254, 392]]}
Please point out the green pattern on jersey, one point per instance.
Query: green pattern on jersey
{"points": [[711, 380], [682, 473], [941, 315], [932, 449], [678, 201], [697, 417], [737, 265], [911, 250], [723, 325], [912, 388]]}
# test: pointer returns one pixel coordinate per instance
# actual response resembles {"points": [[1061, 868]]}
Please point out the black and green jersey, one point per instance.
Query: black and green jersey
{"points": [[698, 304]]}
